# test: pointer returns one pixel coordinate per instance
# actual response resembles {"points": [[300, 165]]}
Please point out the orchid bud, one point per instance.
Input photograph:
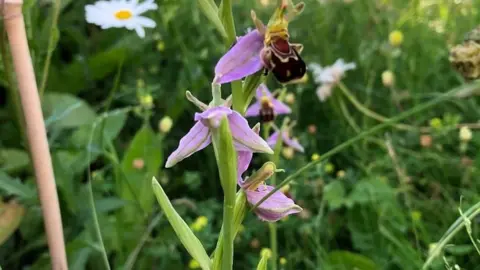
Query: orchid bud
{"points": [[259, 177]]}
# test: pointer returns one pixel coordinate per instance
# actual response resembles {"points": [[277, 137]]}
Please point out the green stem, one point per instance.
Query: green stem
{"points": [[51, 44], [226, 157], [369, 112], [373, 130], [273, 226], [91, 202], [237, 97]]}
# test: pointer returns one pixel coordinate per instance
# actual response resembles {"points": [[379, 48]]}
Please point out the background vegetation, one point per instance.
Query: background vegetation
{"points": [[400, 191]]}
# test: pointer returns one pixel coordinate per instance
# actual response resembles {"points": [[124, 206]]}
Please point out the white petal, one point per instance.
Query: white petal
{"points": [[140, 31], [145, 6], [145, 22]]}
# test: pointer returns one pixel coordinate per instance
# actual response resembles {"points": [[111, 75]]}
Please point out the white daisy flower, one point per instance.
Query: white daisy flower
{"points": [[121, 13], [329, 76]]}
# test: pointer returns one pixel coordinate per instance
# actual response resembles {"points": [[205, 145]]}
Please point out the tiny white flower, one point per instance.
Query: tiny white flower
{"points": [[121, 13], [329, 76], [465, 134]]}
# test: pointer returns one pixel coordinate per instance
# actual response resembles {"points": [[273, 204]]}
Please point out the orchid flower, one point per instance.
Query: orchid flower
{"points": [[329, 76], [265, 47], [199, 136], [263, 96], [276, 206], [286, 138]]}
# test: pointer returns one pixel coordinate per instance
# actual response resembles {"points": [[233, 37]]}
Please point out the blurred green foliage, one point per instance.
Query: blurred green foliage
{"points": [[400, 192]]}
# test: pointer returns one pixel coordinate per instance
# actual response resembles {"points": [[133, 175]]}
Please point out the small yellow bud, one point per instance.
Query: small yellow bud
{"points": [[315, 157], [165, 124], [290, 98], [288, 152], [465, 134], [416, 216], [341, 174], [161, 46], [329, 168], [395, 38], [241, 228], [436, 123], [199, 223], [266, 252], [193, 264], [138, 163], [431, 248], [285, 188], [388, 78], [283, 261], [146, 101]]}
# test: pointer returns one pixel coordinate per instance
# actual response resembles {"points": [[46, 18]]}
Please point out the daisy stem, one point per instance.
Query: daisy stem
{"points": [[365, 134], [52, 40]]}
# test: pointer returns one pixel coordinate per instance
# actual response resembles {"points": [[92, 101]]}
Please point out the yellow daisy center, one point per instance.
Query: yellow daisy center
{"points": [[123, 14]]}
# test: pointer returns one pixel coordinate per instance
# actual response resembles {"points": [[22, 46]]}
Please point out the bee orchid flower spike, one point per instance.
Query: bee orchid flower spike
{"points": [[267, 47]]}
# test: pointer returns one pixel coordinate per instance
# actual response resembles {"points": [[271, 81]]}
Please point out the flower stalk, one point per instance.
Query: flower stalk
{"points": [[227, 167], [273, 226]]}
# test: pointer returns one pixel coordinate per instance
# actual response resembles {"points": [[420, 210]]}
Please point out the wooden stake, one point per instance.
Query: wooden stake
{"points": [[36, 133]]}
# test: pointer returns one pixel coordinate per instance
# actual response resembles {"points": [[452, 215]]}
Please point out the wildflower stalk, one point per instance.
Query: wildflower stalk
{"points": [[389, 122], [227, 167], [52, 39], [369, 112], [239, 215], [273, 226]]}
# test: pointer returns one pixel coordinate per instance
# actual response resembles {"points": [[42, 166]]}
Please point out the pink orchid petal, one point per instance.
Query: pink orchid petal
{"points": [[253, 110], [292, 143], [197, 138], [275, 207], [244, 135], [241, 60], [280, 107], [272, 140], [212, 116], [244, 159]]}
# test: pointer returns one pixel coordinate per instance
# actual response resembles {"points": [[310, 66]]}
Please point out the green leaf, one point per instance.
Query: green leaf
{"points": [[15, 187], [12, 160], [186, 236], [349, 260], [145, 146], [210, 9], [11, 215], [334, 194], [107, 127], [66, 111], [73, 77]]}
